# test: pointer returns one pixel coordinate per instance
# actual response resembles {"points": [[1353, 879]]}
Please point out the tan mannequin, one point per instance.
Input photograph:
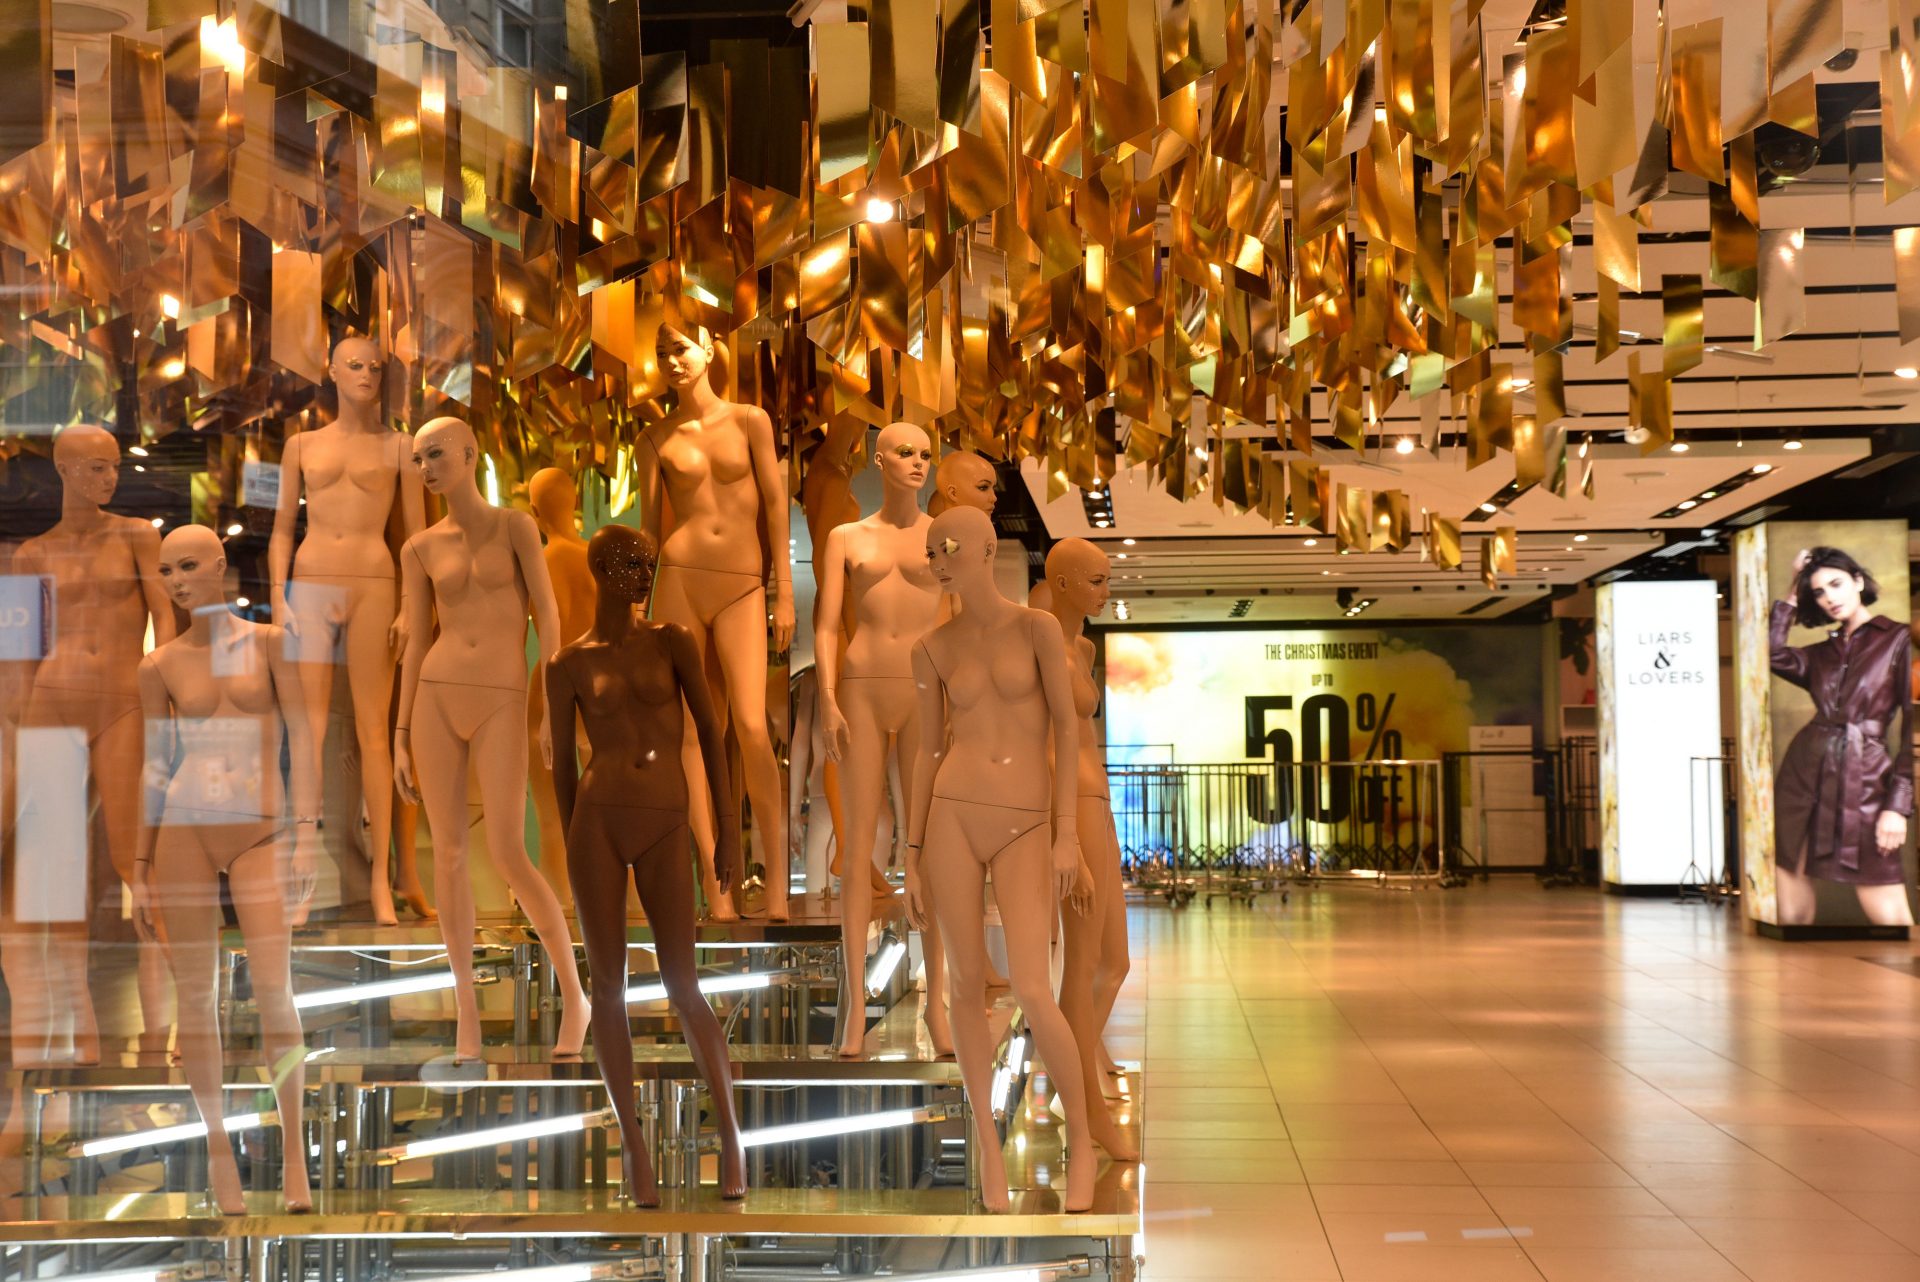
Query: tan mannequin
{"points": [[103, 572], [340, 598], [214, 699], [877, 591], [964, 479], [551, 495], [627, 822], [715, 463], [995, 678], [1078, 575], [463, 698], [808, 836]]}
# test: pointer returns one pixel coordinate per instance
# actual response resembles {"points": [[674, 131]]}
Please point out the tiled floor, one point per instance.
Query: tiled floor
{"points": [[1511, 1083]]}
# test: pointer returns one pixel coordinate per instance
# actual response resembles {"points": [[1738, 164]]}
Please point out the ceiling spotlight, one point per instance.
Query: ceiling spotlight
{"points": [[1128, 542], [1103, 524], [1579, 538], [1119, 556], [159, 521], [1120, 611], [1680, 447], [236, 528], [1403, 446], [1906, 371], [1761, 469], [1310, 543], [1489, 508], [1686, 504], [879, 211], [138, 451], [242, 602], [1793, 444]]}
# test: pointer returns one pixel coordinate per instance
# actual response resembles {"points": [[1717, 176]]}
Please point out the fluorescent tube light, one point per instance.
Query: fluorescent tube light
{"points": [[435, 982], [885, 964], [840, 1126], [171, 1134], [550, 1273], [517, 1133], [748, 982]]}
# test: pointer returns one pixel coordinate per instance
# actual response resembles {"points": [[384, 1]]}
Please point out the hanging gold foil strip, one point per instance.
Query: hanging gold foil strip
{"points": [[1410, 97], [1492, 423], [1601, 28], [1694, 120], [1529, 451], [1801, 36], [1734, 245], [960, 48], [1490, 563], [1443, 542], [1552, 64], [1602, 147], [299, 339], [1782, 306], [1506, 550], [905, 42], [1906, 281], [1899, 125], [1743, 178], [1682, 335], [1354, 530], [1606, 329], [1549, 386], [841, 99], [1654, 393], [1390, 521], [26, 76]]}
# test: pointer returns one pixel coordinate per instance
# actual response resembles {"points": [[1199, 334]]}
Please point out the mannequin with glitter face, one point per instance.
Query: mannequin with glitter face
{"points": [[714, 464], [215, 700], [100, 573], [993, 683], [877, 592], [336, 595], [628, 679], [463, 697]]}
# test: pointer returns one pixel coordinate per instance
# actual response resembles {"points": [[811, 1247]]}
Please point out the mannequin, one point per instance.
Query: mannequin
{"points": [[991, 683], [878, 592], [463, 696], [964, 480], [627, 816], [340, 598], [551, 494], [715, 463], [214, 699], [807, 837], [1096, 932], [103, 572]]}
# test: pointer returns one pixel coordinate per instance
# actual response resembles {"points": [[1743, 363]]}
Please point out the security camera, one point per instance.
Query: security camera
{"points": [[1844, 60], [1345, 597]]}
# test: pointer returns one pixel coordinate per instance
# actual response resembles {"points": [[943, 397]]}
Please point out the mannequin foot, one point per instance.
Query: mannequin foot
{"points": [[1106, 1133], [224, 1177], [733, 1167], [853, 1045], [777, 909], [1082, 1168], [996, 980], [720, 908], [1107, 1066], [152, 1043], [415, 897], [573, 1028], [466, 1038], [1110, 1087], [939, 1031], [994, 1196], [293, 1182]]}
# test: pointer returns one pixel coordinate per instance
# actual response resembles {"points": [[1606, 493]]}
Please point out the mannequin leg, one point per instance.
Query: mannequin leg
{"points": [[188, 890], [406, 847], [117, 754], [906, 751], [600, 900], [28, 969], [955, 882], [313, 647], [672, 603], [259, 900], [862, 772], [740, 646], [1885, 905], [1022, 889], [370, 682], [1081, 972], [546, 806], [1114, 961], [665, 885], [440, 768], [500, 759]]}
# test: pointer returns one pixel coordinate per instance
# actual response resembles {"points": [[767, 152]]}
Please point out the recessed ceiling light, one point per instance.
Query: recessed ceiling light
{"points": [[236, 528], [1310, 543], [1324, 573], [159, 521], [1103, 524], [1404, 445], [1761, 469], [1685, 504], [1906, 371], [1128, 542], [1579, 538], [879, 211], [1793, 444], [138, 451], [1489, 508], [1680, 447], [1120, 556]]}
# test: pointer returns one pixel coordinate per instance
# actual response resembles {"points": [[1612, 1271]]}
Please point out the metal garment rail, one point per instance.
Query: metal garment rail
{"points": [[1242, 828]]}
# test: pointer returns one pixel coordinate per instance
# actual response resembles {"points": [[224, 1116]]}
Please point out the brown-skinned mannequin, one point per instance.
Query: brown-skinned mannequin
{"points": [[992, 682], [877, 591], [715, 463], [627, 679], [214, 701], [335, 595], [1095, 964], [103, 572], [551, 495], [463, 697]]}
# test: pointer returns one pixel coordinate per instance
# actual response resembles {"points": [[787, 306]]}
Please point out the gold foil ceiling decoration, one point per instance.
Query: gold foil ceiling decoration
{"points": [[1082, 231]]}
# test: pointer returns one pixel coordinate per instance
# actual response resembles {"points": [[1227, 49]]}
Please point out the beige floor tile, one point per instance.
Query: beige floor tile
{"points": [[1268, 1128], [1441, 1199], [1548, 1174], [1415, 1229], [1764, 1265], [1359, 1171], [1839, 1237], [1400, 1264], [1781, 1204], [1241, 1170], [1612, 1264], [1516, 1205], [1638, 1232]]}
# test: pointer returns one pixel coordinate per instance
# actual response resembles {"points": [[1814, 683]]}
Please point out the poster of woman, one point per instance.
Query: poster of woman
{"points": [[1839, 693]]}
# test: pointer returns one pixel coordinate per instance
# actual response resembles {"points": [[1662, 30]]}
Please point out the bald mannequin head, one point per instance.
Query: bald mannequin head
{"points": [[550, 493], [88, 460], [445, 451], [904, 455], [622, 560], [1078, 577], [964, 480], [357, 370], [960, 547], [193, 567]]}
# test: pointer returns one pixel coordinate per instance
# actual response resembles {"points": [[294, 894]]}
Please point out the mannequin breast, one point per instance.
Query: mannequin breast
{"points": [[481, 600], [99, 609], [892, 598], [707, 471], [996, 716], [630, 705], [350, 479], [227, 721]]}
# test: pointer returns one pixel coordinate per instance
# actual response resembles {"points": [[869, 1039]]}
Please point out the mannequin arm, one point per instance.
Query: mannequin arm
{"points": [[562, 705], [156, 714], [286, 515], [926, 761], [727, 862], [775, 505], [413, 519], [146, 563], [1050, 652], [416, 594], [800, 757], [827, 610], [646, 466], [546, 609]]}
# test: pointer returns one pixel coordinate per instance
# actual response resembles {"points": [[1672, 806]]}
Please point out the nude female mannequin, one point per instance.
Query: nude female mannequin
{"points": [[877, 591], [340, 597], [715, 464], [991, 683], [463, 697], [1096, 933], [214, 700], [105, 591], [550, 493], [964, 479], [627, 817]]}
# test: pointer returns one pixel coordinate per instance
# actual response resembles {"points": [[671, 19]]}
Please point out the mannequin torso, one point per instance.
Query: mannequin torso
{"points": [[350, 477], [100, 603], [481, 599]]}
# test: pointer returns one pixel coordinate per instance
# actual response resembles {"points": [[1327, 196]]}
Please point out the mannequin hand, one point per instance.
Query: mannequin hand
{"points": [[397, 636], [143, 901], [403, 768], [1067, 863], [546, 737], [833, 729], [783, 622], [1080, 898], [305, 871], [282, 613], [1890, 833], [916, 897], [728, 862]]}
